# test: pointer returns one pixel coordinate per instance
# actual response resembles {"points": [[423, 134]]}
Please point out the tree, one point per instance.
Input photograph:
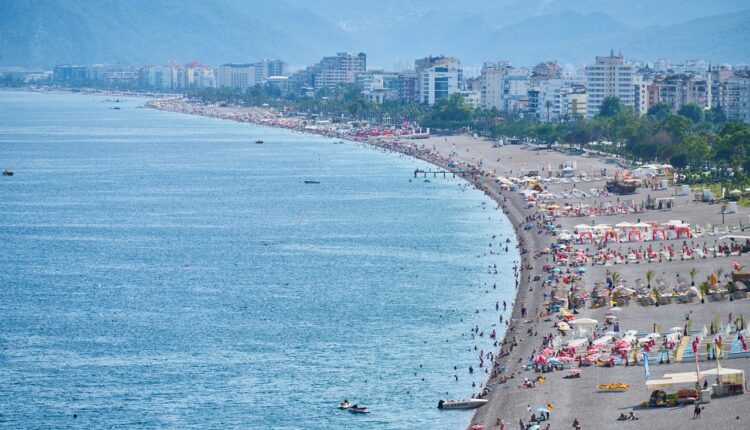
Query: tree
{"points": [[677, 126], [615, 277], [610, 107], [693, 273], [450, 112], [696, 149], [548, 105], [715, 115], [691, 111], [660, 111], [649, 276]]}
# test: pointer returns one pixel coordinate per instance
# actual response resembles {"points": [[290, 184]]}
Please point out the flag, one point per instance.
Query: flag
{"points": [[549, 407], [646, 373]]}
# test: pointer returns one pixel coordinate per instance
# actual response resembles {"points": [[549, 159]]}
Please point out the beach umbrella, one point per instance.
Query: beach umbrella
{"points": [[556, 270], [615, 309], [540, 409], [581, 270]]}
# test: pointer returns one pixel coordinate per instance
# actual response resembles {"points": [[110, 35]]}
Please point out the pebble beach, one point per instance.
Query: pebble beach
{"points": [[564, 280]]}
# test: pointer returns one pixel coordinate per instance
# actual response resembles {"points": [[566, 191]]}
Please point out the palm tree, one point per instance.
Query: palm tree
{"points": [[615, 276], [548, 105], [719, 271], [704, 289], [693, 273], [649, 277]]}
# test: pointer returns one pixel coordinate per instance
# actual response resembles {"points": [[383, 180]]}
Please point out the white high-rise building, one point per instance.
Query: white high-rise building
{"points": [[640, 92], [609, 77], [503, 86], [440, 81], [437, 77], [236, 76], [560, 99]]}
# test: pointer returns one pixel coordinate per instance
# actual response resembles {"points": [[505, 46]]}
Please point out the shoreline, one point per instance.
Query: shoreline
{"points": [[511, 206], [537, 227]]}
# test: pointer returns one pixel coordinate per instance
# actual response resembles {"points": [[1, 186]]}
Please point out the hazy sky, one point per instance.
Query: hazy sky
{"points": [[47, 32]]}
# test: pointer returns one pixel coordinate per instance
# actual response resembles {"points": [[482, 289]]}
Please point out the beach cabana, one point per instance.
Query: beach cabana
{"points": [[683, 230], [659, 231], [583, 327], [672, 383], [635, 233], [728, 381], [611, 235], [587, 234]]}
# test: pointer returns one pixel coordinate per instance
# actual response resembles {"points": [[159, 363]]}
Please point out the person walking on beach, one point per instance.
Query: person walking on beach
{"points": [[500, 424]]}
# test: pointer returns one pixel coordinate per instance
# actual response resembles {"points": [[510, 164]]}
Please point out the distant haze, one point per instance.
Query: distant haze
{"points": [[41, 33]]}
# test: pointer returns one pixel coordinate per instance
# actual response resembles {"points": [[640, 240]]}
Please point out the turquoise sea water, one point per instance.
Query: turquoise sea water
{"points": [[162, 270]]}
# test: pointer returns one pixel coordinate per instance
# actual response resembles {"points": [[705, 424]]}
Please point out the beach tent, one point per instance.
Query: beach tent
{"points": [[683, 230], [586, 234], [672, 383], [623, 225], [637, 233], [611, 234], [658, 231], [726, 376], [583, 327], [577, 343]]}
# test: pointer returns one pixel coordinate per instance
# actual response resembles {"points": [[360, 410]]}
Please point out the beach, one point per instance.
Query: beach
{"points": [[533, 326]]}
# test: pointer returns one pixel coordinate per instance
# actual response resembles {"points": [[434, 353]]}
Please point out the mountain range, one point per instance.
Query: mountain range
{"points": [[41, 33]]}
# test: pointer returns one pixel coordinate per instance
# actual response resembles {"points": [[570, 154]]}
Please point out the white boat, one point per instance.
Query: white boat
{"points": [[462, 404]]}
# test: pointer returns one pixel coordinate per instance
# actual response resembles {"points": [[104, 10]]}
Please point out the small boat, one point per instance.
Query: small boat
{"points": [[426, 180], [8, 173], [357, 409], [462, 404], [259, 142], [312, 182], [344, 405], [116, 108]]}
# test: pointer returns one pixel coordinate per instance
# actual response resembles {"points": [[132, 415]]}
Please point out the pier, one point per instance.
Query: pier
{"points": [[445, 173]]}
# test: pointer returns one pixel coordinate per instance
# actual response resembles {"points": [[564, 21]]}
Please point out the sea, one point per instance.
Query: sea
{"points": [[163, 270]]}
